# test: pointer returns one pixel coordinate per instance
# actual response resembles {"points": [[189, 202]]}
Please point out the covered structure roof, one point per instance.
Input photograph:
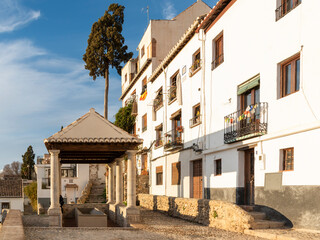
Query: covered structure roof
{"points": [[11, 188], [91, 139]]}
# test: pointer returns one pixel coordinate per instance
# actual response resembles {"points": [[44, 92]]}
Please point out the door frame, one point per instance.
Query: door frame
{"points": [[191, 178]]}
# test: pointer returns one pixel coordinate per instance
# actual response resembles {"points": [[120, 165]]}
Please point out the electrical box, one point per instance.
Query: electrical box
{"points": [[262, 161]]}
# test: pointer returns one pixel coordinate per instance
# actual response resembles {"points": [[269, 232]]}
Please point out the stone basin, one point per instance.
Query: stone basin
{"points": [[90, 217]]}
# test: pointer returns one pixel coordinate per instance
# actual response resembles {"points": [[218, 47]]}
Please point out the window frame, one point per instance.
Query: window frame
{"points": [[142, 51], [159, 96], [284, 159], [159, 172], [195, 116], [159, 136], [218, 167], [293, 78], [172, 86], [194, 68], [144, 122], [144, 85], [217, 57], [176, 173]]}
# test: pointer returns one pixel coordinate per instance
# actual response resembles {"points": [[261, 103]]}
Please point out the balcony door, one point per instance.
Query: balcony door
{"points": [[177, 129], [249, 177], [250, 97]]}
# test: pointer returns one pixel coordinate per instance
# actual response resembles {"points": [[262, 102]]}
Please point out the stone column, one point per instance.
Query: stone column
{"points": [[54, 211], [59, 177], [131, 179], [110, 184], [118, 182]]}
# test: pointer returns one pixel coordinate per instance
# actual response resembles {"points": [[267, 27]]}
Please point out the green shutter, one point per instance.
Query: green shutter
{"points": [[251, 83]]}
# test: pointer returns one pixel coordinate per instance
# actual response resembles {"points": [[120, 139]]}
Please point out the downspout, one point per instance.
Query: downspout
{"points": [[165, 92]]}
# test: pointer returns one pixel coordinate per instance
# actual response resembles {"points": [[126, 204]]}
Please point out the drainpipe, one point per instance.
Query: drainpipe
{"points": [[202, 38], [165, 123]]}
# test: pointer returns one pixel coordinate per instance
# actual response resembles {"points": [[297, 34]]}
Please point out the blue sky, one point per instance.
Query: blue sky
{"points": [[43, 83]]}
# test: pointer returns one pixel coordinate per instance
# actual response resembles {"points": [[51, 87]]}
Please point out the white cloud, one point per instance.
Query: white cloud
{"points": [[168, 10], [39, 93], [13, 15]]}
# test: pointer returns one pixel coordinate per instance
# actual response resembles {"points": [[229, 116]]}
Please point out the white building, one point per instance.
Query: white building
{"points": [[11, 194], [232, 112], [74, 178]]}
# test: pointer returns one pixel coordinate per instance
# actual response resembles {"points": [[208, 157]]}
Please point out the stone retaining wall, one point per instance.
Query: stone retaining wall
{"points": [[219, 214], [69, 209], [12, 227]]}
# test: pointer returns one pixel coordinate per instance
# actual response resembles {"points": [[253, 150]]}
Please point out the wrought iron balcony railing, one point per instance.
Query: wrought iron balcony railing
{"points": [[45, 183], [248, 123], [173, 139], [286, 7], [215, 63], [172, 93], [195, 66], [158, 143], [195, 121]]}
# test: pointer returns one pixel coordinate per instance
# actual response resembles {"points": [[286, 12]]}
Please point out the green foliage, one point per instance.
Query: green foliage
{"points": [[124, 119], [106, 46], [215, 214], [31, 192], [27, 167]]}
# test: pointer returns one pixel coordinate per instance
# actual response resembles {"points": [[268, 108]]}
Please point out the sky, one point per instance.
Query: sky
{"points": [[43, 83]]}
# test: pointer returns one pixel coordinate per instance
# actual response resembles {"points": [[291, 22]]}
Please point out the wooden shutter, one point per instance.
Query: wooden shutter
{"points": [[176, 170], [144, 162]]}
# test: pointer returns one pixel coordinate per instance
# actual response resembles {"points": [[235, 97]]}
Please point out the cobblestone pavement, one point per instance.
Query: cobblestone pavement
{"points": [[287, 234], [154, 226]]}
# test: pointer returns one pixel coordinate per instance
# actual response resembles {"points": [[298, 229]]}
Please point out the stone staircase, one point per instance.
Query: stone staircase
{"points": [[97, 193], [260, 219]]}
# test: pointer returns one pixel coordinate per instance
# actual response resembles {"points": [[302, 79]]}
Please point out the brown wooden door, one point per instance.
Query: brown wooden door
{"points": [[249, 177], [197, 179]]}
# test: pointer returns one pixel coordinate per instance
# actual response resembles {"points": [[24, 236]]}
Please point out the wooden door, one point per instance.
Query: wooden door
{"points": [[197, 179], [249, 177]]}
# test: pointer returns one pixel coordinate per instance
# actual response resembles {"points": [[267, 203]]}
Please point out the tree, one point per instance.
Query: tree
{"points": [[124, 119], [106, 47], [27, 167], [12, 169], [31, 193]]}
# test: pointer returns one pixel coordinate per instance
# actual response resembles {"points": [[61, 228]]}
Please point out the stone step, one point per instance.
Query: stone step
{"points": [[248, 208], [265, 224], [258, 215]]}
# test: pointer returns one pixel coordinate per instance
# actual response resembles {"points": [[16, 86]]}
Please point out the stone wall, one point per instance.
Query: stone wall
{"points": [[12, 226], [69, 209], [213, 213]]}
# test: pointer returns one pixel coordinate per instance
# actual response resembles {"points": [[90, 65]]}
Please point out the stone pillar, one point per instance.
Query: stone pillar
{"points": [[107, 187], [110, 184], [119, 200], [131, 179], [54, 212], [59, 177]]}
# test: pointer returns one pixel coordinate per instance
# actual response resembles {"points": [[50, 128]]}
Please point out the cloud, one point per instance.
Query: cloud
{"points": [[13, 15], [168, 10], [40, 92]]}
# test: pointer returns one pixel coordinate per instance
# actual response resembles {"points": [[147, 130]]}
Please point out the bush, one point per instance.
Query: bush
{"points": [[31, 192]]}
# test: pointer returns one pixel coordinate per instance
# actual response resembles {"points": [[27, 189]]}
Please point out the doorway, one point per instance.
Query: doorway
{"points": [[249, 177], [197, 179]]}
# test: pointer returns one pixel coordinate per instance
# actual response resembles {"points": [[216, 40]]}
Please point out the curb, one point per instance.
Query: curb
{"points": [[266, 235]]}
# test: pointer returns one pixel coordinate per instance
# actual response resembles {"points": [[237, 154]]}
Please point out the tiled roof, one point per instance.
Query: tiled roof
{"points": [[92, 128], [11, 188]]}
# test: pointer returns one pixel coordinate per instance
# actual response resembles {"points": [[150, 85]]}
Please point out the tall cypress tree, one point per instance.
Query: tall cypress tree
{"points": [[27, 167], [106, 47]]}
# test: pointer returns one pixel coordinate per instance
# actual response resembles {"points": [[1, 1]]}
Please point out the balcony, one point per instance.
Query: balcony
{"points": [[215, 63], [286, 7], [158, 102], [173, 139], [158, 143], [195, 121], [172, 93], [251, 122], [195, 67]]}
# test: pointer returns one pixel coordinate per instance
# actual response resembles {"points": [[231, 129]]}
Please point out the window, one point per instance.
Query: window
{"points": [[70, 171], [125, 78], [196, 62], [159, 175], [142, 51], [5, 205], [217, 167], [177, 128], [290, 76], [287, 159], [158, 101], [144, 85], [176, 170], [173, 87], [144, 164], [195, 115], [285, 6], [217, 52], [159, 133], [144, 122]]}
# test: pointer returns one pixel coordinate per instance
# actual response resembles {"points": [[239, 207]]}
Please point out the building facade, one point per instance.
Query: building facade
{"points": [[232, 111]]}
